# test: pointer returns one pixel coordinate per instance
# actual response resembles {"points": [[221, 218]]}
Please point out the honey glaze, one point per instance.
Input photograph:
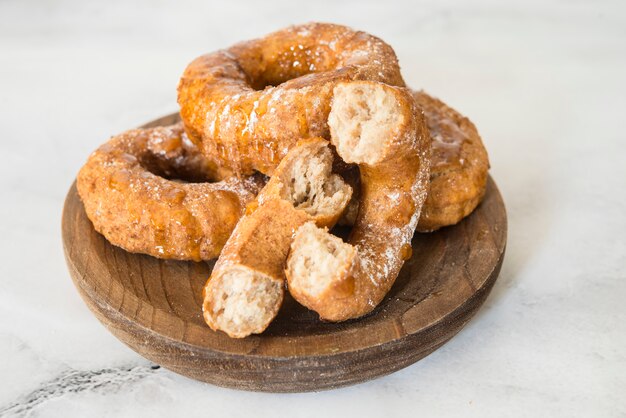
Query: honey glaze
{"points": [[174, 195], [230, 208], [406, 251], [171, 144], [447, 138], [403, 208], [446, 153], [119, 180], [166, 217], [251, 207]]}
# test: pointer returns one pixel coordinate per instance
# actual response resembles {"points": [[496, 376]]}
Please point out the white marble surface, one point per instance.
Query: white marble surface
{"points": [[544, 81]]}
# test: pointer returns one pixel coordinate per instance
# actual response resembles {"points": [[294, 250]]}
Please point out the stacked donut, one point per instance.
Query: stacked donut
{"points": [[281, 138]]}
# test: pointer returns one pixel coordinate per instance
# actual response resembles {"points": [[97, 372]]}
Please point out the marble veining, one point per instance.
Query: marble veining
{"points": [[100, 381]]}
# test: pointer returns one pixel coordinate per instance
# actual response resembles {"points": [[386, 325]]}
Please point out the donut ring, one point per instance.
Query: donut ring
{"points": [[458, 165], [249, 104], [379, 128], [144, 212], [458, 168], [246, 287]]}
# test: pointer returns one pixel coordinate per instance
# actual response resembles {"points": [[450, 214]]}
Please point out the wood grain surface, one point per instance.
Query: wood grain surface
{"points": [[154, 306]]}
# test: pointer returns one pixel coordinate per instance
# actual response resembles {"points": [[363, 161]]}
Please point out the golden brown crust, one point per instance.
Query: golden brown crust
{"points": [[248, 105], [393, 189], [261, 240], [459, 165], [144, 212]]}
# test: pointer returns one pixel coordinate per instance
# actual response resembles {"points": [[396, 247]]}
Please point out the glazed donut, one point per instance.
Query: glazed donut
{"points": [[249, 104], [458, 165], [378, 127], [458, 168], [130, 195], [246, 287]]}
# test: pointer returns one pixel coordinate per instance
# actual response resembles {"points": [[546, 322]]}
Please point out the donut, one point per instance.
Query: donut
{"points": [[247, 105], [458, 166], [246, 287], [131, 194], [378, 127]]}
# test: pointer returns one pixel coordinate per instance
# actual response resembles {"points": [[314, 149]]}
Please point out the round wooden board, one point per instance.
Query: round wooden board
{"points": [[154, 306]]}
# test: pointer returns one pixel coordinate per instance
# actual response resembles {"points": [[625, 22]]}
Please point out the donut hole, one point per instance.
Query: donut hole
{"points": [[181, 174], [273, 74], [312, 187], [174, 157], [318, 260], [280, 73], [364, 119], [261, 83], [274, 65], [242, 301]]}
